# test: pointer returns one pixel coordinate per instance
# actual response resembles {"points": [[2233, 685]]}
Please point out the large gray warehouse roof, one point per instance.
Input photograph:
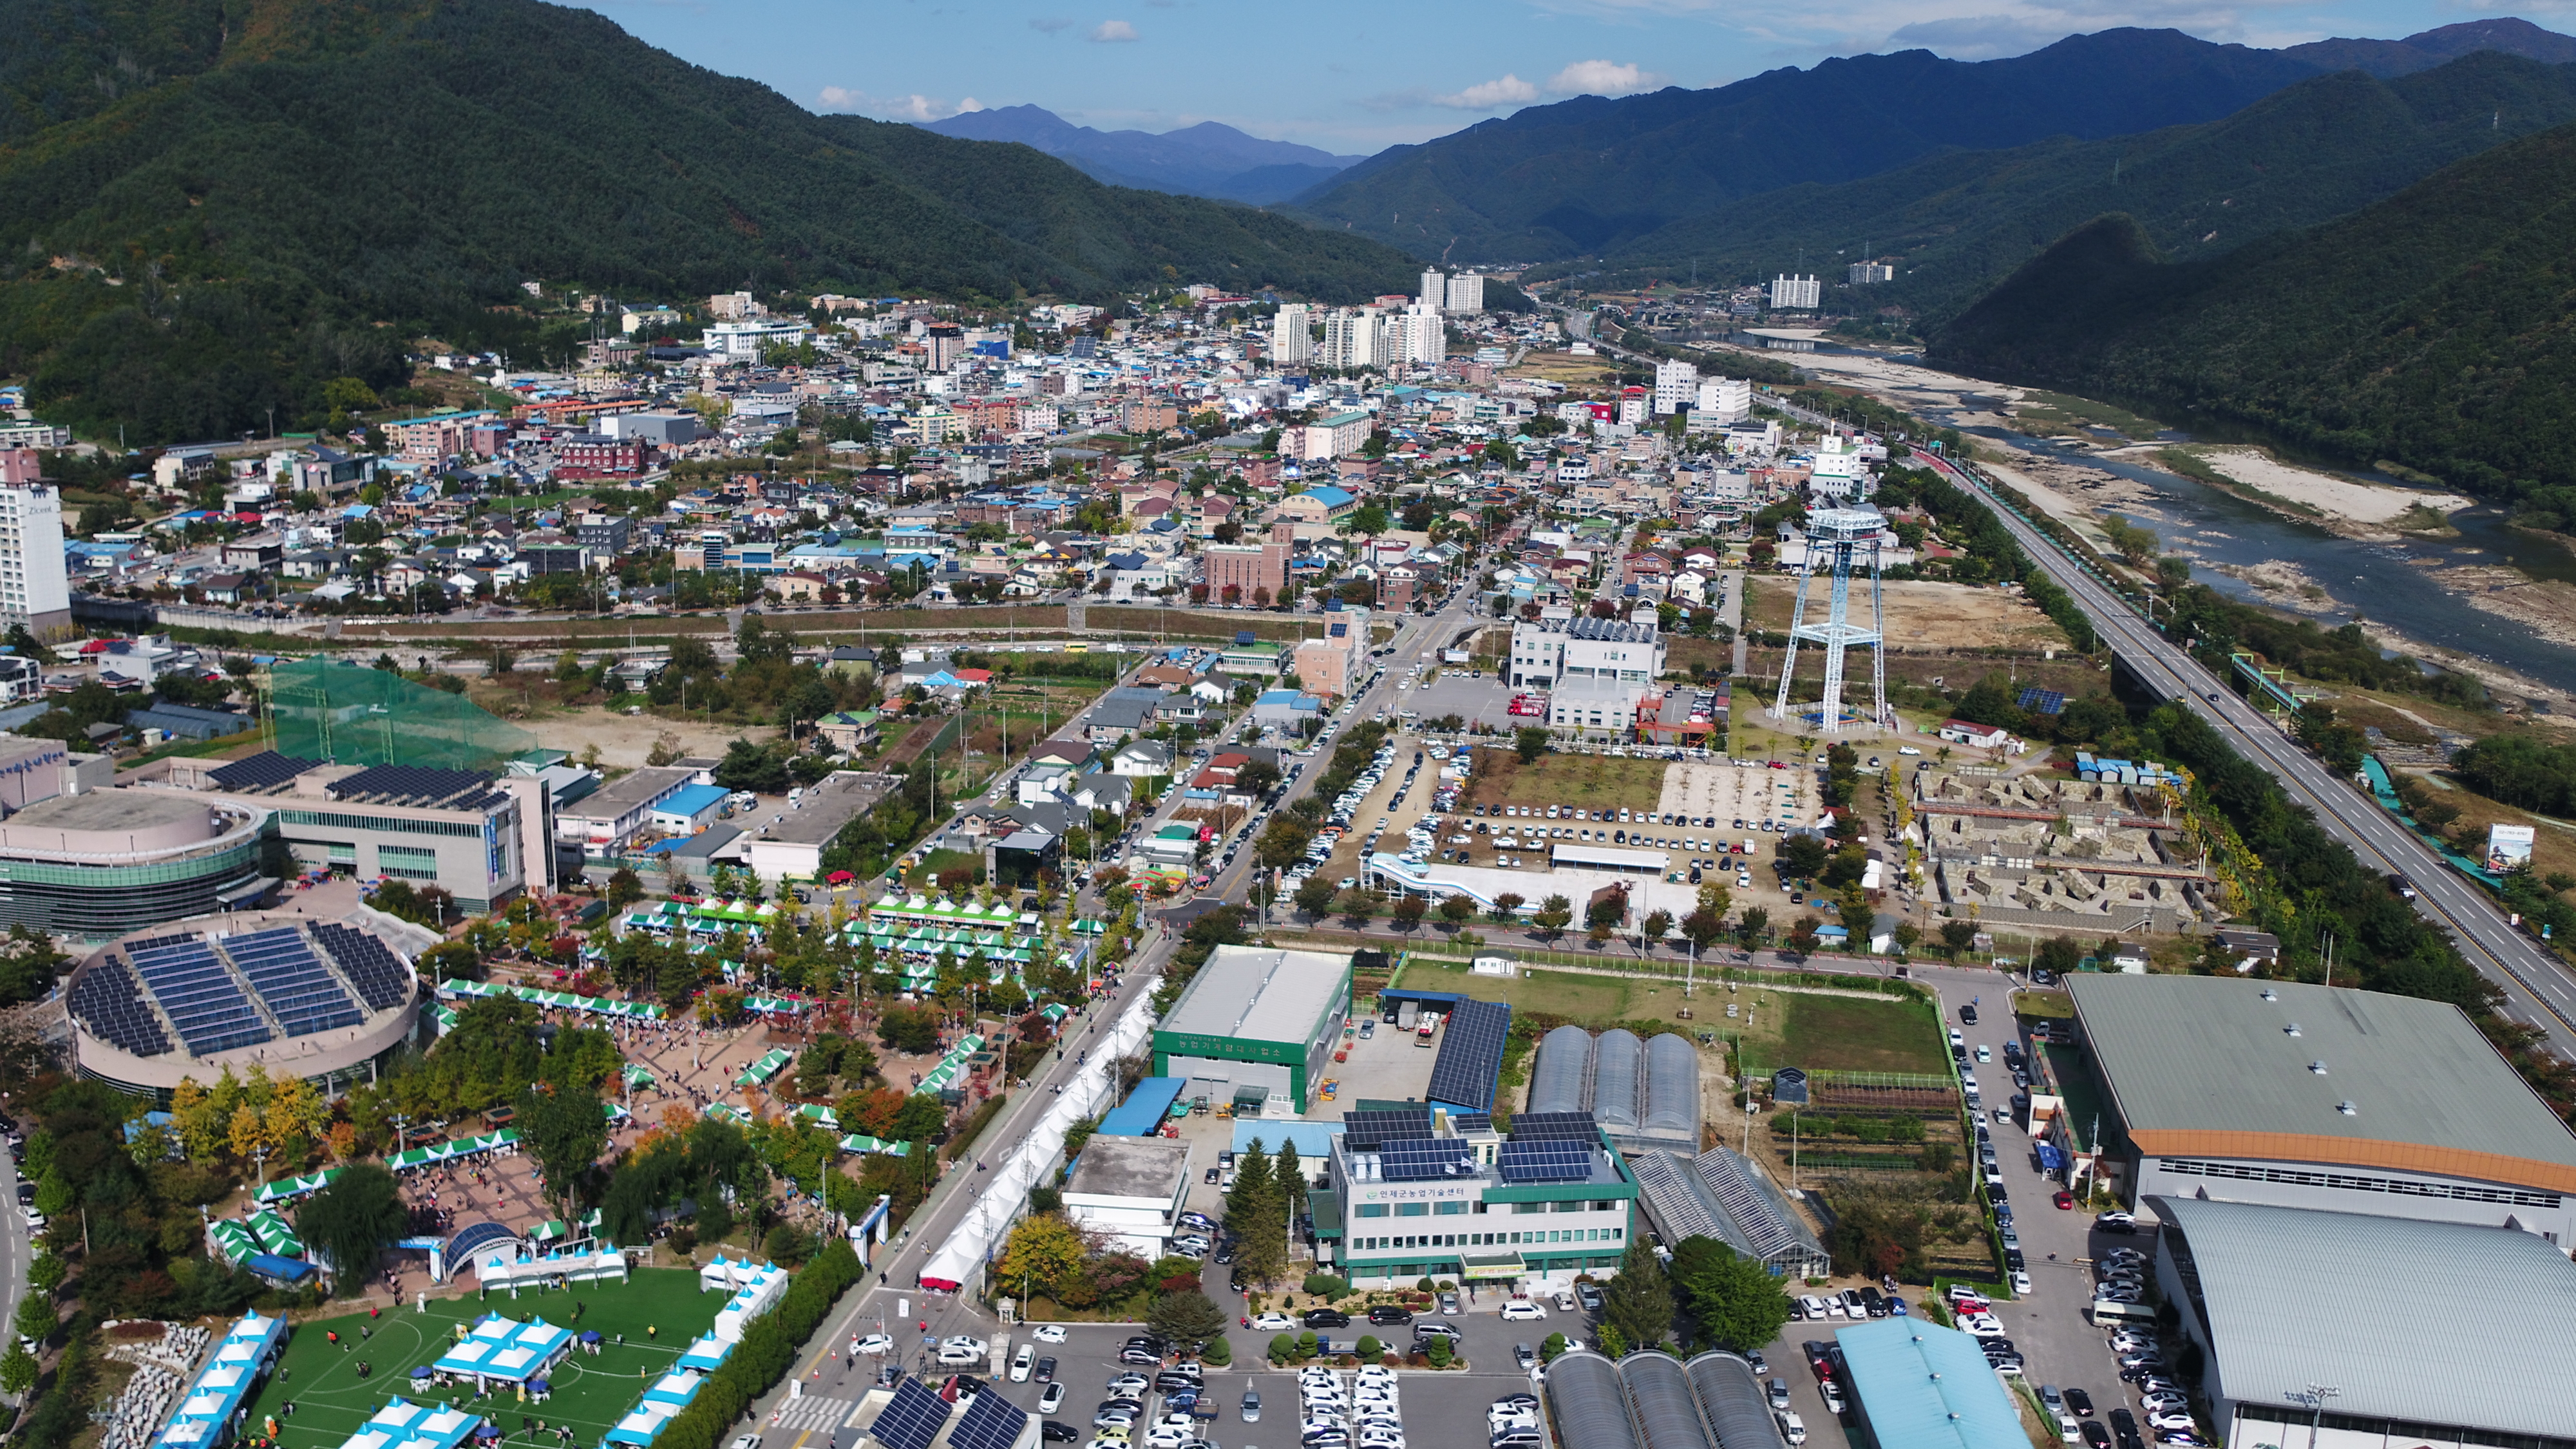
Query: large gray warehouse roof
{"points": [[2293, 1296], [2211, 1066], [1260, 994]]}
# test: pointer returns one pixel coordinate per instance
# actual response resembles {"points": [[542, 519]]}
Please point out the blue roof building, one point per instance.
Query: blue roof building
{"points": [[689, 808], [1142, 1114], [1917, 1385]]}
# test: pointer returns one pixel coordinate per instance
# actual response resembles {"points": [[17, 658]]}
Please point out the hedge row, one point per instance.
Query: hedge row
{"points": [[767, 1352]]}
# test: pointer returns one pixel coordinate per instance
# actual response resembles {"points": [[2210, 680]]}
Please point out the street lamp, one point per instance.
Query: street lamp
{"points": [[2313, 1399]]}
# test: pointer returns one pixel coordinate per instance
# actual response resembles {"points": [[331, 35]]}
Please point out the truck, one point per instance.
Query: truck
{"points": [[1404, 1014]]}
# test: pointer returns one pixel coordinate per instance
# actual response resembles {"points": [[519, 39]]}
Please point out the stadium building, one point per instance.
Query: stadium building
{"points": [[324, 1000], [2315, 1097], [96, 865]]}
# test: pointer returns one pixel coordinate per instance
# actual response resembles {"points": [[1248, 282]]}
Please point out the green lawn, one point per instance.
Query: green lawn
{"points": [[590, 1393], [1585, 781], [1596, 1001], [1854, 1034]]}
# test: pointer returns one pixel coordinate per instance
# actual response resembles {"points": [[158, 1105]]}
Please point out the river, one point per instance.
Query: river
{"points": [[2384, 583]]}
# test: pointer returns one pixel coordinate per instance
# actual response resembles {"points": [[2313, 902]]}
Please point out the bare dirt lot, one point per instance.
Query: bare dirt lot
{"points": [[625, 740], [1920, 615], [1731, 793]]}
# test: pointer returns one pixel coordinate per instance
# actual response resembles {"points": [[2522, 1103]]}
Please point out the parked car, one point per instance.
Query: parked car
{"points": [[1523, 1310]]}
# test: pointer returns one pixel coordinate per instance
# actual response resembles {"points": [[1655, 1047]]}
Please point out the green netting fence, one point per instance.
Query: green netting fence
{"points": [[349, 714]]}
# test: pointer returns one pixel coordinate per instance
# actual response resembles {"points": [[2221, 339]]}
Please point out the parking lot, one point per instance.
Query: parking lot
{"points": [[1728, 793]]}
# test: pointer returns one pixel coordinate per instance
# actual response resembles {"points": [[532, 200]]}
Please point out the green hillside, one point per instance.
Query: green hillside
{"points": [[1960, 222], [2436, 328], [251, 215]]}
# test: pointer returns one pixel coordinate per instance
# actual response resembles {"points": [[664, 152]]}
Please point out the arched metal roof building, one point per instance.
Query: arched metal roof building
{"points": [[1561, 1080], [1616, 1066]]}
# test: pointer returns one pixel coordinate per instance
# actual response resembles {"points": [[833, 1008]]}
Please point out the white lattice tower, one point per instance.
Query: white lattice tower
{"points": [[1839, 540]]}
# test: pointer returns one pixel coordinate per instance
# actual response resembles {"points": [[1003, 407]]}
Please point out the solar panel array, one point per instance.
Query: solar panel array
{"points": [[199, 995], [1472, 1055], [1545, 1160], [415, 783], [1424, 1159], [109, 1003], [991, 1422], [913, 1419], [1363, 1131], [1472, 1121], [380, 976], [1750, 1209], [2043, 701], [262, 771], [1543, 1126], [296, 985]]}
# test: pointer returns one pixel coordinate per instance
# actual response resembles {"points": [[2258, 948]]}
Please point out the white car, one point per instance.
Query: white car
{"points": [[2162, 1420], [1274, 1323], [2020, 1283], [1022, 1363], [874, 1344], [1048, 1333], [1052, 1399], [1522, 1309], [1982, 1325], [953, 1356]]}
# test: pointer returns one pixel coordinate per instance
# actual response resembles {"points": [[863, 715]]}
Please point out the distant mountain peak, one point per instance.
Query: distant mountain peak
{"points": [[2426, 49], [1210, 158]]}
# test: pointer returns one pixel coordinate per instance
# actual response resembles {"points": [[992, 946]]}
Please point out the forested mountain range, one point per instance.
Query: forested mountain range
{"points": [[1590, 177], [1955, 224], [2435, 328], [212, 207], [1208, 159]]}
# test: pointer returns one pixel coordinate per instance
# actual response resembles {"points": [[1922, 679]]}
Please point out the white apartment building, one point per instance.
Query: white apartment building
{"points": [[1467, 292], [1788, 292], [1676, 387], [1557, 648], [1291, 337], [1351, 339], [1435, 288], [1426, 339], [1722, 400], [34, 589]]}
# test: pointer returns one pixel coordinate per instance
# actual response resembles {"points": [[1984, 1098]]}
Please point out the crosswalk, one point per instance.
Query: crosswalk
{"points": [[815, 1411]]}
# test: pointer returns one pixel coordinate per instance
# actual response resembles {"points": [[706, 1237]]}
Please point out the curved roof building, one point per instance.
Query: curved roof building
{"points": [[1561, 1079], [322, 1000]]}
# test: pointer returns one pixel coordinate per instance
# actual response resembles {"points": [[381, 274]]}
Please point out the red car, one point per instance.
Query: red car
{"points": [[2065, 1201]]}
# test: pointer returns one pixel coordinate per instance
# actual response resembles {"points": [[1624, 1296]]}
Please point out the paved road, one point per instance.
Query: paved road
{"points": [[2537, 986], [830, 1386]]}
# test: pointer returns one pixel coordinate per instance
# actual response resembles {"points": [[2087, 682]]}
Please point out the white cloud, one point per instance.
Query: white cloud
{"points": [[914, 107], [1111, 32], [1602, 78], [1491, 95]]}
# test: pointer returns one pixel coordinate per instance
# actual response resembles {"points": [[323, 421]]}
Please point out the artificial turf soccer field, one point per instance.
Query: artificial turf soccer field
{"points": [[591, 1393]]}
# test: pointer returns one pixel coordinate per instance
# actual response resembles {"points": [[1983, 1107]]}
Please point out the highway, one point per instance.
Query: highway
{"points": [[2537, 986]]}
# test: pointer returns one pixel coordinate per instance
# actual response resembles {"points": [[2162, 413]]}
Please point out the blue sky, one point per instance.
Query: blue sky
{"points": [[1353, 76]]}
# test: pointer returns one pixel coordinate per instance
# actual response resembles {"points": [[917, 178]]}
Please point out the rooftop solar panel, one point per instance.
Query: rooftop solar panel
{"points": [[414, 782], [1424, 1159], [1545, 1161], [912, 1420], [991, 1422], [1471, 1056], [1542, 1126], [1472, 1121], [381, 977], [109, 1003], [299, 990], [201, 998], [2043, 701], [1365, 1130], [259, 772]]}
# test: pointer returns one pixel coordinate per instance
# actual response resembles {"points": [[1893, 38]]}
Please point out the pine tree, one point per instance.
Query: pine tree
{"points": [[1291, 1177], [1639, 1301], [1252, 1180]]}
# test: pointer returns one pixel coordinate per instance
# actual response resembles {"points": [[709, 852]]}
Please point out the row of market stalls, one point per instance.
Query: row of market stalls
{"points": [[264, 1244], [459, 988], [244, 1355], [703, 919], [514, 1269], [755, 1289], [673, 1392], [499, 1353]]}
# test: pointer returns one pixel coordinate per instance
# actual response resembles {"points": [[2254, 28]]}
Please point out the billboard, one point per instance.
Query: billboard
{"points": [[2508, 847]]}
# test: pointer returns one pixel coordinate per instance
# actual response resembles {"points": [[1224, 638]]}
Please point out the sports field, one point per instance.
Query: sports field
{"points": [[659, 1310]]}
